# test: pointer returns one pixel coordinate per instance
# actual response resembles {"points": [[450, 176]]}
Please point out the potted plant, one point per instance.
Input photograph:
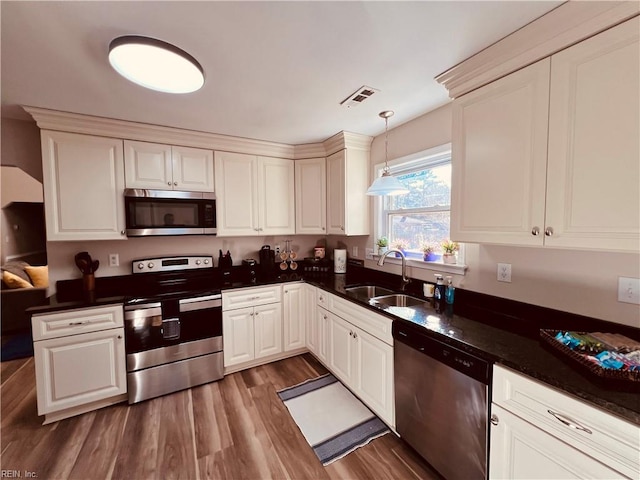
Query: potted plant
{"points": [[399, 244], [449, 248], [382, 243], [428, 252]]}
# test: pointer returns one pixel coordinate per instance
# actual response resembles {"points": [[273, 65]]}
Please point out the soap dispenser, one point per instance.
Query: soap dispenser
{"points": [[450, 291], [439, 291]]}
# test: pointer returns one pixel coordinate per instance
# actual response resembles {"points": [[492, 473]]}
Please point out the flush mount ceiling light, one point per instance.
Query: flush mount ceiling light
{"points": [[386, 184], [155, 64]]}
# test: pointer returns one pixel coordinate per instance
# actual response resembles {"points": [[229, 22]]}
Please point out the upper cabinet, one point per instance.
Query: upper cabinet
{"points": [[83, 181], [311, 196], [549, 154], [255, 195], [347, 202], [164, 167]]}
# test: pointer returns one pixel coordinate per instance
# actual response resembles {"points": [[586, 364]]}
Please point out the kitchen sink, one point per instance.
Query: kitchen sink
{"points": [[368, 291], [397, 300]]}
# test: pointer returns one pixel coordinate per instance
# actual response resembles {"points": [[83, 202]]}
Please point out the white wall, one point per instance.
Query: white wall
{"points": [[582, 282]]}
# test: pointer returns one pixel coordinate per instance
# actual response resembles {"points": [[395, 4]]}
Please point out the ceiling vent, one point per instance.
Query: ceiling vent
{"points": [[359, 96]]}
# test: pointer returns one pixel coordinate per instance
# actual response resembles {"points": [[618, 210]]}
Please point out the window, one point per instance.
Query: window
{"points": [[422, 216]]}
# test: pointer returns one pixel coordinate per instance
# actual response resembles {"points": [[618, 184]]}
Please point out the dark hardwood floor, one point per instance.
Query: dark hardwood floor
{"points": [[236, 428]]}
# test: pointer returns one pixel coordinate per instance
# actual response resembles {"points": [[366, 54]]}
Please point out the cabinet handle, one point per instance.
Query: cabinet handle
{"points": [[323, 228], [355, 335], [494, 419], [120, 337], [548, 231], [535, 231], [123, 232], [175, 184], [73, 324], [569, 423], [169, 183]]}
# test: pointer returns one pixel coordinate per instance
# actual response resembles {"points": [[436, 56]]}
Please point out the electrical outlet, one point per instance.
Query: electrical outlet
{"points": [[114, 260], [277, 249], [354, 251], [629, 290], [368, 253], [504, 272]]}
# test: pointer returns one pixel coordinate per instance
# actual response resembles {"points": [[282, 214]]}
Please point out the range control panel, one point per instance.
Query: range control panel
{"points": [[170, 264]]}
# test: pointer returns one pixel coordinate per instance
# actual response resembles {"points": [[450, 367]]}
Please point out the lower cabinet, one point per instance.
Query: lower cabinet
{"points": [[293, 316], [539, 432], [79, 360]]}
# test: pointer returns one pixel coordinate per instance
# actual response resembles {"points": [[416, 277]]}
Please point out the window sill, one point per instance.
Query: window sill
{"points": [[455, 268]]}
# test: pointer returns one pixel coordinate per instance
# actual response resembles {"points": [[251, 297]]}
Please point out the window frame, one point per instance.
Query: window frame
{"points": [[428, 158]]}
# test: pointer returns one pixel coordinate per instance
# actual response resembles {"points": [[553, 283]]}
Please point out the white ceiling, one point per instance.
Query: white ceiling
{"points": [[274, 70]]}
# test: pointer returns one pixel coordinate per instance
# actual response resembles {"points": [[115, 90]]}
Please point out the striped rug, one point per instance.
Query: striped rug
{"points": [[333, 421]]}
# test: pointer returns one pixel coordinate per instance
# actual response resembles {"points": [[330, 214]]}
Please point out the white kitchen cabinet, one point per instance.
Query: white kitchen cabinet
{"points": [[549, 154], [83, 182], [311, 196], [293, 315], [165, 167], [347, 184], [252, 324], [593, 173], [80, 360], [255, 195], [342, 351], [540, 432]]}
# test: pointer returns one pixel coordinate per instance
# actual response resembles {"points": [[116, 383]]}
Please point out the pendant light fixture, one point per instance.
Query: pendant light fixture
{"points": [[155, 64], [386, 184]]}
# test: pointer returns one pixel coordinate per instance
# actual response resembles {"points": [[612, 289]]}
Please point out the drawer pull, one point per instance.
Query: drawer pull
{"points": [[494, 419], [569, 422], [73, 324]]}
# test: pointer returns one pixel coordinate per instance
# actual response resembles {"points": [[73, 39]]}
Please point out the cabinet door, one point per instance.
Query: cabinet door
{"points": [[236, 180], [79, 369], [310, 313], [593, 189], [499, 160], [192, 169], [374, 375], [335, 192], [294, 316], [311, 196], [277, 196], [238, 336], [268, 329], [341, 349], [519, 450], [83, 179], [147, 165]]}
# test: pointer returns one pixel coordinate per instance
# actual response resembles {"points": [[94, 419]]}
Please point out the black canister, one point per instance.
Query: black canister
{"points": [[249, 267]]}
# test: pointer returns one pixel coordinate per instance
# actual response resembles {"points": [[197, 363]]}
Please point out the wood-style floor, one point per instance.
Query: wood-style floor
{"points": [[236, 428]]}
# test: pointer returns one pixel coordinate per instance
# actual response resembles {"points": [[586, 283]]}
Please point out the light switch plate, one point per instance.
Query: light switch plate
{"points": [[368, 253], [629, 290]]}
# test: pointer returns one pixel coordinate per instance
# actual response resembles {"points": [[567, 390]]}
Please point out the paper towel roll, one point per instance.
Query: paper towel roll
{"points": [[340, 261]]}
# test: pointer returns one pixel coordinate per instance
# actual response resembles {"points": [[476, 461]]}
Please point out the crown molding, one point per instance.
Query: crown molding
{"points": [[308, 150], [569, 23], [106, 127], [342, 140]]}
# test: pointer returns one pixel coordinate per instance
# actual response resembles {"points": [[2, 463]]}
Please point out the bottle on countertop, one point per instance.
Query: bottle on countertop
{"points": [[439, 291], [449, 291]]}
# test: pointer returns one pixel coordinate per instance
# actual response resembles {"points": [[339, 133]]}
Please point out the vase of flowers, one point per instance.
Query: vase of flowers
{"points": [[428, 253], [382, 244], [449, 249], [400, 244]]}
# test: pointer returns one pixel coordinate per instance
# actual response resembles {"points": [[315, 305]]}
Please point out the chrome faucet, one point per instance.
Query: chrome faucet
{"points": [[405, 279]]}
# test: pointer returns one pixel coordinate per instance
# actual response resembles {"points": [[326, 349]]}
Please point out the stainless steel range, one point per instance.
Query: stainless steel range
{"points": [[173, 330]]}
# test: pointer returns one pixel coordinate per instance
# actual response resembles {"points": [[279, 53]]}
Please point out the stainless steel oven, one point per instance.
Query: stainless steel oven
{"points": [[173, 340], [169, 212]]}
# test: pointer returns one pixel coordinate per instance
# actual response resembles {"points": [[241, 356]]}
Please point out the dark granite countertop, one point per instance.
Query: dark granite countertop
{"points": [[519, 352], [474, 330]]}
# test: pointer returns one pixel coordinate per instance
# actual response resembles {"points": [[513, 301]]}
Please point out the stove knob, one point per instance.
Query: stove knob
{"points": [[198, 262], [206, 261], [140, 266], [150, 265]]}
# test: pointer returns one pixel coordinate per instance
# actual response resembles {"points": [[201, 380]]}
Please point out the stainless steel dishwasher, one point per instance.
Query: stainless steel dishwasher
{"points": [[442, 403]]}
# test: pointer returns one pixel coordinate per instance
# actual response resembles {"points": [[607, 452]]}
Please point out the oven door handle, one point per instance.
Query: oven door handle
{"points": [[201, 303]]}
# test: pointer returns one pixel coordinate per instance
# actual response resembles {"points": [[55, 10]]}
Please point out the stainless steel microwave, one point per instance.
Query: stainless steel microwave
{"points": [[169, 212]]}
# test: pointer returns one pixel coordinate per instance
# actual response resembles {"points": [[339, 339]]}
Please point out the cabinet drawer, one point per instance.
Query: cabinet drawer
{"points": [[373, 323], [608, 439], [249, 297], [322, 298], [73, 322]]}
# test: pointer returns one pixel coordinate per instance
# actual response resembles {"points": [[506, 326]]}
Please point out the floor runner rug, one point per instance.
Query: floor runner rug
{"points": [[333, 421]]}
